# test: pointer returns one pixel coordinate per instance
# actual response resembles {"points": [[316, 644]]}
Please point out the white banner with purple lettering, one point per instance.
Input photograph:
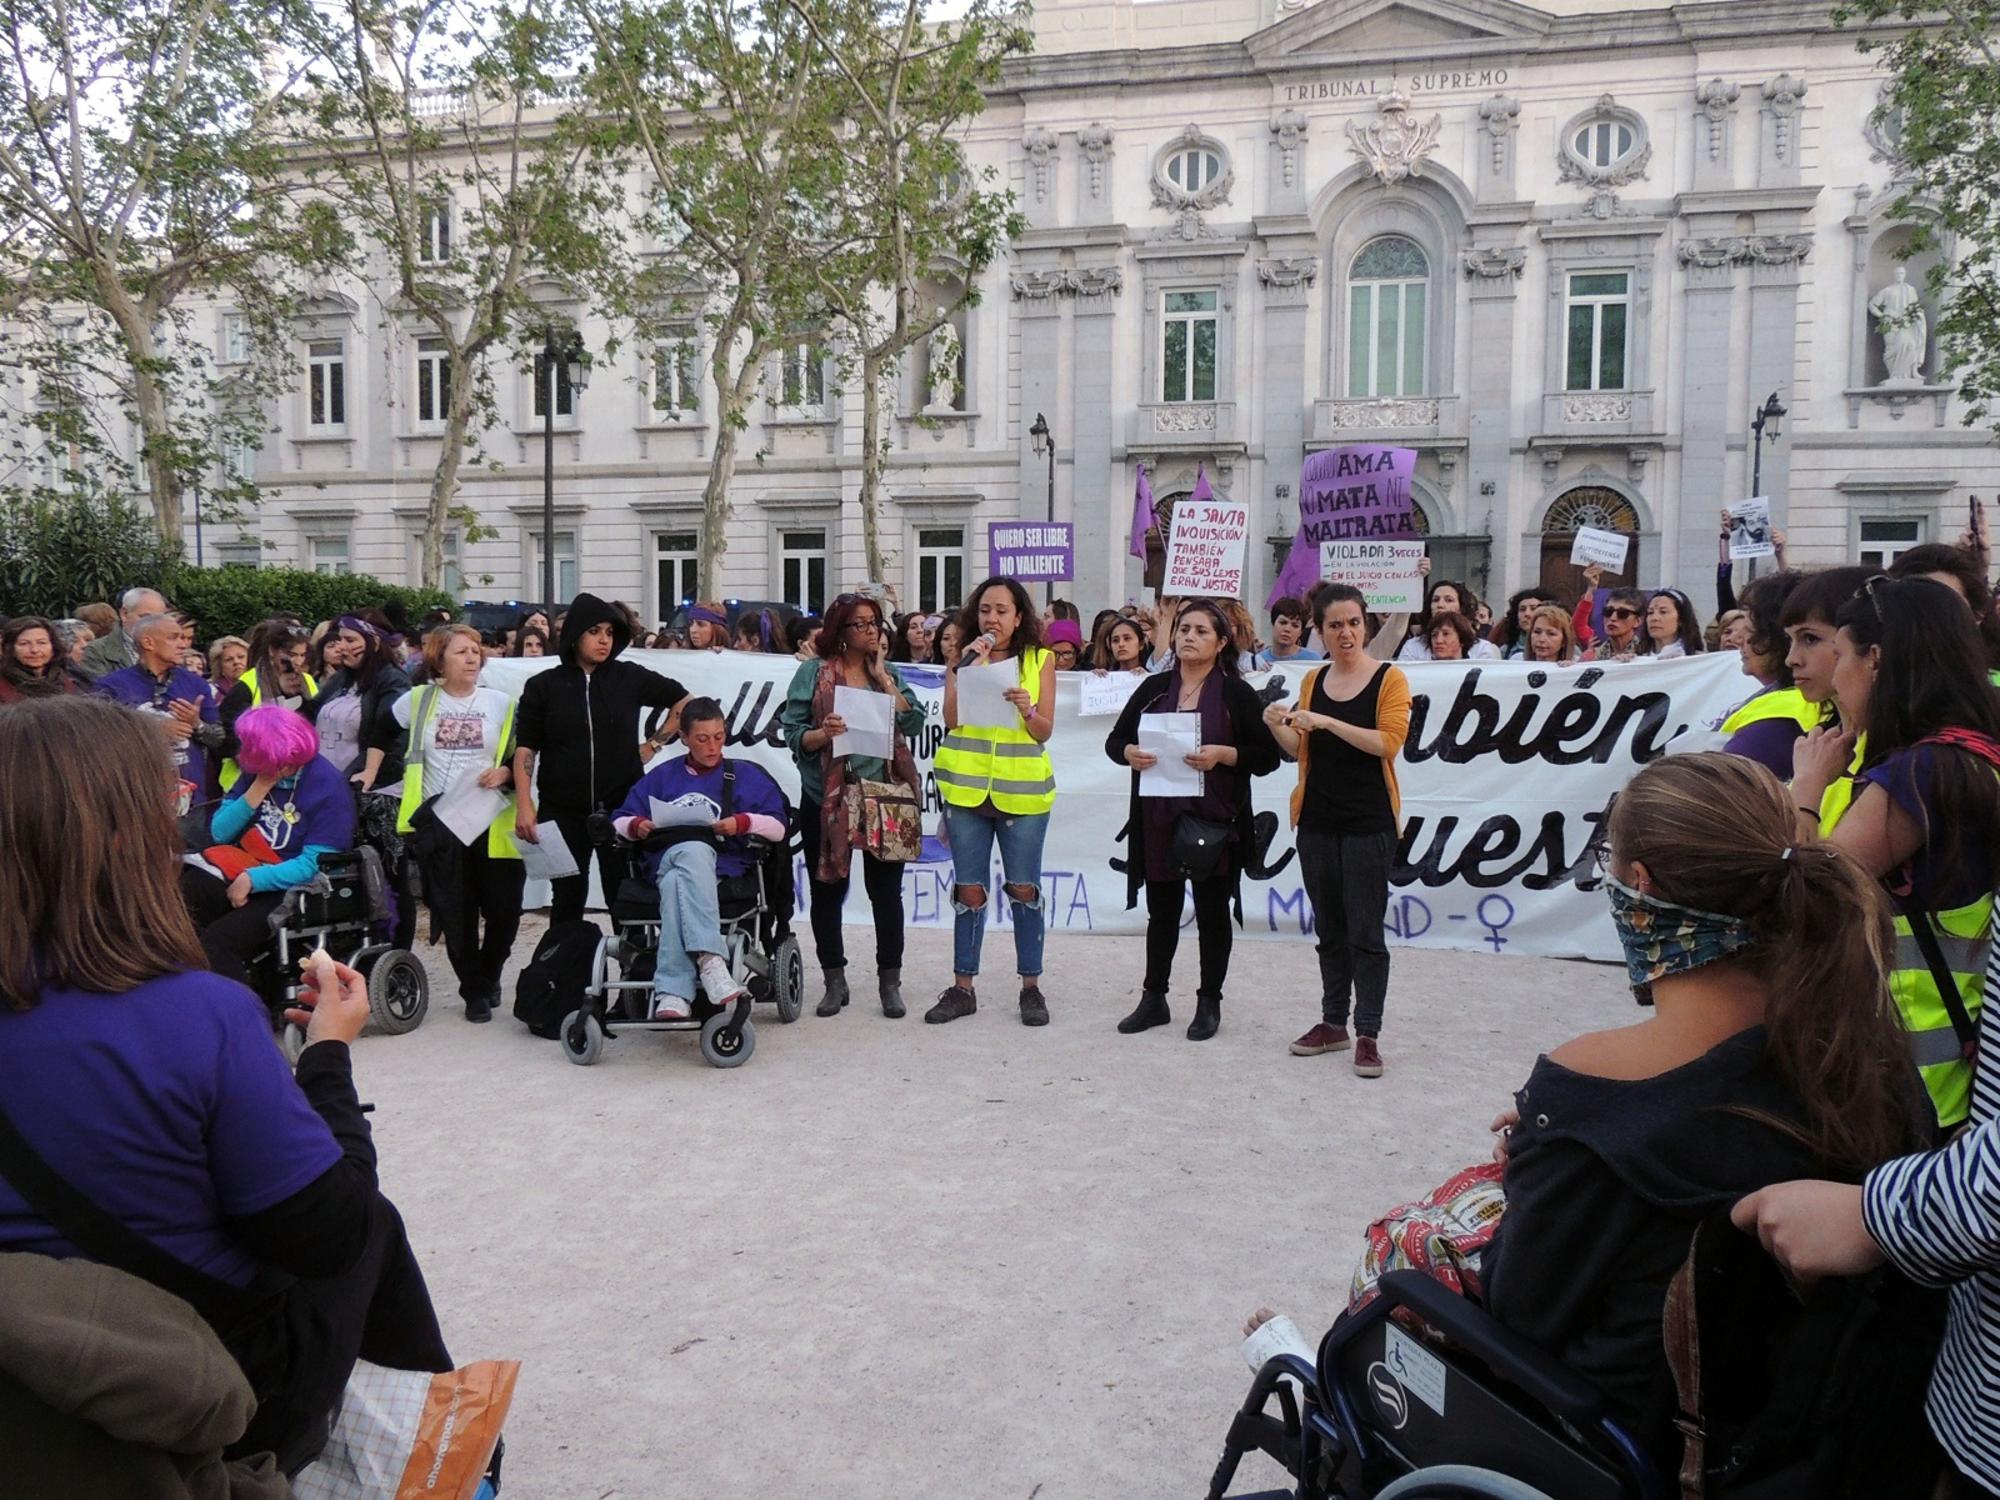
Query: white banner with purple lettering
{"points": [[1506, 779]]}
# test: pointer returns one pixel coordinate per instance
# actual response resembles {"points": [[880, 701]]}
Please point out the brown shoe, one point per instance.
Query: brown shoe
{"points": [[1367, 1058], [1324, 1037]]}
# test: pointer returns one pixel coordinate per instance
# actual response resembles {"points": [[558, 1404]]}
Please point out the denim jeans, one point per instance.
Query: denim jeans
{"points": [[972, 836], [690, 917]]}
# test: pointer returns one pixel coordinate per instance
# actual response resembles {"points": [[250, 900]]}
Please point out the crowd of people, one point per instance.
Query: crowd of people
{"points": [[1807, 912]]}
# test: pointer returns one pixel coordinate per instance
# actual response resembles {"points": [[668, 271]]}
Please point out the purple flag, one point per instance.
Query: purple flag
{"points": [[1142, 515], [1201, 491], [1356, 494]]}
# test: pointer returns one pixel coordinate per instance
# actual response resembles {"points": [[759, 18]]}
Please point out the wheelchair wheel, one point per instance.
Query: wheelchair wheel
{"points": [[582, 1038], [399, 991], [788, 980], [293, 1039], [724, 1048], [1458, 1482]]}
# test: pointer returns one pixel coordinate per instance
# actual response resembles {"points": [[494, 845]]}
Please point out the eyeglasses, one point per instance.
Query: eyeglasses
{"points": [[1622, 612], [1601, 857], [864, 624], [1870, 589]]}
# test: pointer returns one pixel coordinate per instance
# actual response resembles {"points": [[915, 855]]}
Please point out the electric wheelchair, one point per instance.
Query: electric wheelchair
{"points": [[341, 909]]}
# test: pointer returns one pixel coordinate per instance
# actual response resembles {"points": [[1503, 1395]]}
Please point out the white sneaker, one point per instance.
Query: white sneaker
{"points": [[717, 984], [671, 1008]]}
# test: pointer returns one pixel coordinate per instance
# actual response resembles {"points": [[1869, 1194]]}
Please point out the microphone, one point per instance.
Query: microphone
{"points": [[991, 640]]}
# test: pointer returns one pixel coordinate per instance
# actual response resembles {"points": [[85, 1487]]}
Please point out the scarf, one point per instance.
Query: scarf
{"points": [[1661, 939], [836, 836], [51, 682]]}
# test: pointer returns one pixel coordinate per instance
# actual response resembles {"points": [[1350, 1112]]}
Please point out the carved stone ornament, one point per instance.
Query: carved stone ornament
{"points": [[1711, 252], [1492, 262], [1079, 281], [1777, 249], [1177, 416], [1394, 146], [1289, 270], [1166, 194], [1289, 131], [1095, 281], [1037, 286], [1715, 101], [1597, 407], [1883, 130], [1571, 166], [1094, 141], [1187, 226], [1501, 117], [1040, 147], [1377, 413], [1783, 96]]}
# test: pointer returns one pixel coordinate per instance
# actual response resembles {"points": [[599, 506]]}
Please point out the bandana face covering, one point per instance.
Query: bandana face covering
{"points": [[1661, 939]]}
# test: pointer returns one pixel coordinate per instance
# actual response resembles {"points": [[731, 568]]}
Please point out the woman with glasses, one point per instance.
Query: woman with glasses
{"points": [[1624, 610], [853, 652], [998, 787], [1065, 639]]}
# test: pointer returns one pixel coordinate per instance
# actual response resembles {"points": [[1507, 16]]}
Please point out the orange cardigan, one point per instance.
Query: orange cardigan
{"points": [[1392, 722]]}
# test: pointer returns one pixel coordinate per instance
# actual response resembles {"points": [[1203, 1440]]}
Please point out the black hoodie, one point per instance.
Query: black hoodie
{"points": [[585, 725]]}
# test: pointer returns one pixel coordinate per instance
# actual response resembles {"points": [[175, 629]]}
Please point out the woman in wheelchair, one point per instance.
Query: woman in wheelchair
{"points": [[289, 807], [708, 810]]}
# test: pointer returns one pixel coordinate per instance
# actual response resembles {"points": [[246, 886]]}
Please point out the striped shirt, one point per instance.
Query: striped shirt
{"points": [[1937, 1217]]}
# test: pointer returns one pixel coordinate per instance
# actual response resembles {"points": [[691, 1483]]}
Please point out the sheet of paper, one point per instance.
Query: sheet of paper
{"points": [[1097, 696], [1171, 737], [468, 809], [1605, 547], [981, 692], [871, 722], [678, 814], [1750, 529], [549, 857]]}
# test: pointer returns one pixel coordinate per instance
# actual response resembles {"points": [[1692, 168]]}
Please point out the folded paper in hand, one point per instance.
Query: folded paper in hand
{"points": [[1172, 738], [468, 809], [982, 694], [679, 814], [548, 858], [871, 722]]}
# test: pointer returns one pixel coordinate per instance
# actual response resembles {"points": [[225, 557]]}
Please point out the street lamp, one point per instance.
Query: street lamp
{"points": [[1764, 420], [562, 363], [1045, 443]]}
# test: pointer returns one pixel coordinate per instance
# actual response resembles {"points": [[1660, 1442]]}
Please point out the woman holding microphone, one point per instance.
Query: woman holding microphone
{"points": [[1346, 731], [853, 652], [998, 786]]}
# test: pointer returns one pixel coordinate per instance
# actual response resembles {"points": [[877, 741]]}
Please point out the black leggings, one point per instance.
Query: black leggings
{"points": [[881, 879], [490, 889], [568, 896], [1211, 923], [230, 935]]}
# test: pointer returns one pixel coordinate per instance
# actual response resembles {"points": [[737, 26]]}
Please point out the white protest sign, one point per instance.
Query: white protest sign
{"points": [[1506, 777], [1385, 572], [1098, 696], [1750, 529], [1608, 549], [1205, 552]]}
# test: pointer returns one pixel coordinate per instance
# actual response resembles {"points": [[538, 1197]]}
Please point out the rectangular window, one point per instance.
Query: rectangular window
{"points": [[433, 379], [566, 574], [940, 568], [803, 378], [238, 554], [1883, 540], [451, 574], [235, 338], [1385, 338], [558, 372], [1187, 347], [802, 569], [327, 554], [676, 379], [239, 459], [326, 384], [1598, 303], [434, 232], [676, 565]]}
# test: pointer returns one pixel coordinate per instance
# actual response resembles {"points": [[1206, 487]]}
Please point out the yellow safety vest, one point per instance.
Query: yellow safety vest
{"points": [[1000, 761], [500, 833], [1773, 703], [230, 770], [1963, 934]]}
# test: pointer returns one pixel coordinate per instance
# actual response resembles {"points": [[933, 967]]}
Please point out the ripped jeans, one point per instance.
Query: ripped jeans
{"points": [[972, 836]]}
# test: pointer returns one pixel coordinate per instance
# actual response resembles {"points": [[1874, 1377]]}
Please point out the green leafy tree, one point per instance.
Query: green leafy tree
{"points": [[449, 136], [1942, 107], [136, 181]]}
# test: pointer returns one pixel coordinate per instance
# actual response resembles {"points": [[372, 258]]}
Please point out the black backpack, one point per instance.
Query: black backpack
{"points": [[552, 984]]}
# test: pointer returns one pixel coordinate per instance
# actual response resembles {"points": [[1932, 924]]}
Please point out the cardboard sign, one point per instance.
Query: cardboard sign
{"points": [[1031, 551], [1385, 572], [1205, 553], [1356, 494], [1750, 529], [1606, 548]]}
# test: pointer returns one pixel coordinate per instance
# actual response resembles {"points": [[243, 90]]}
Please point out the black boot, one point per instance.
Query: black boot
{"points": [[1207, 1017], [835, 998], [1152, 1011], [890, 983]]}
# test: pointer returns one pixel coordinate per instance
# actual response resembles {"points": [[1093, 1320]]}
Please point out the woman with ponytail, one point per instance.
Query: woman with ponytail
{"points": [[1764, 954]]}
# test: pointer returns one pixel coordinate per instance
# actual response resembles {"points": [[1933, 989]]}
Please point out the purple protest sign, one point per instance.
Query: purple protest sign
{"points": [[1031, 551], [1354, 494]]}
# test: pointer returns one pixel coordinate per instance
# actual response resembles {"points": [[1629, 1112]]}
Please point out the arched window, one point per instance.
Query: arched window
{"points": [[1600, 508], [1388, 327], [1604, 143], [1193, 169]]}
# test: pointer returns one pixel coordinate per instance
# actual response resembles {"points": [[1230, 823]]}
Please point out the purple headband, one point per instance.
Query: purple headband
{"points": [[712, 616], [359, 626]]}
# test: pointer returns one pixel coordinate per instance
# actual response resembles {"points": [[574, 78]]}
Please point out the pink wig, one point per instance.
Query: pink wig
{"points": [[274, 740]]}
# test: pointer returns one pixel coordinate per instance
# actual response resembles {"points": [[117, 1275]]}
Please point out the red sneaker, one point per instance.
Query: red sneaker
{"points": [[1367, 1058], [1324, 1037]]}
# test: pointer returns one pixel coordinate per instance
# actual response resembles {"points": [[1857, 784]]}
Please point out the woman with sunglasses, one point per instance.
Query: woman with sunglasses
{"points": [[998, 787], [853, 652], [1671, 626], [1624, 609]]}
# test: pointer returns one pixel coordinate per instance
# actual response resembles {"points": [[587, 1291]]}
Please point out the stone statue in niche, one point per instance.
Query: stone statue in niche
{"points": [[1899, 313], [941, 370]]}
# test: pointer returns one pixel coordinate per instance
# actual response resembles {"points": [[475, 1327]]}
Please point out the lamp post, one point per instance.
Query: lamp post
{"points": [[1763, 420], [1045, 443], [197, 525], [562, 362]]}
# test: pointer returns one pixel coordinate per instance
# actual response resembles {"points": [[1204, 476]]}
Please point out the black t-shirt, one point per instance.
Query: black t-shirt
{"points": [[1346, 793]]}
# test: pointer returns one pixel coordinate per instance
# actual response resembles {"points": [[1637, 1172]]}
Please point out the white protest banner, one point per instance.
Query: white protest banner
{"points": [[1385, 572], [1205, 551], [1605, 548], [1750, 529], [1506, 778], [1097, 696]]}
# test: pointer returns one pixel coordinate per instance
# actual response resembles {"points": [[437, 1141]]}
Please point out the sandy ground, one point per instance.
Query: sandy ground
{"points": [[890, 1259]]}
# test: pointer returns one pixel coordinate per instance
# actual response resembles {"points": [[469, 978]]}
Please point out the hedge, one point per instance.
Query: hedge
{"points": [[231, 601]]}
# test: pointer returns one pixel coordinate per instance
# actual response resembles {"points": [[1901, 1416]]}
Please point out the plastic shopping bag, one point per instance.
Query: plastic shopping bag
{"points": [[405, 1434]]}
